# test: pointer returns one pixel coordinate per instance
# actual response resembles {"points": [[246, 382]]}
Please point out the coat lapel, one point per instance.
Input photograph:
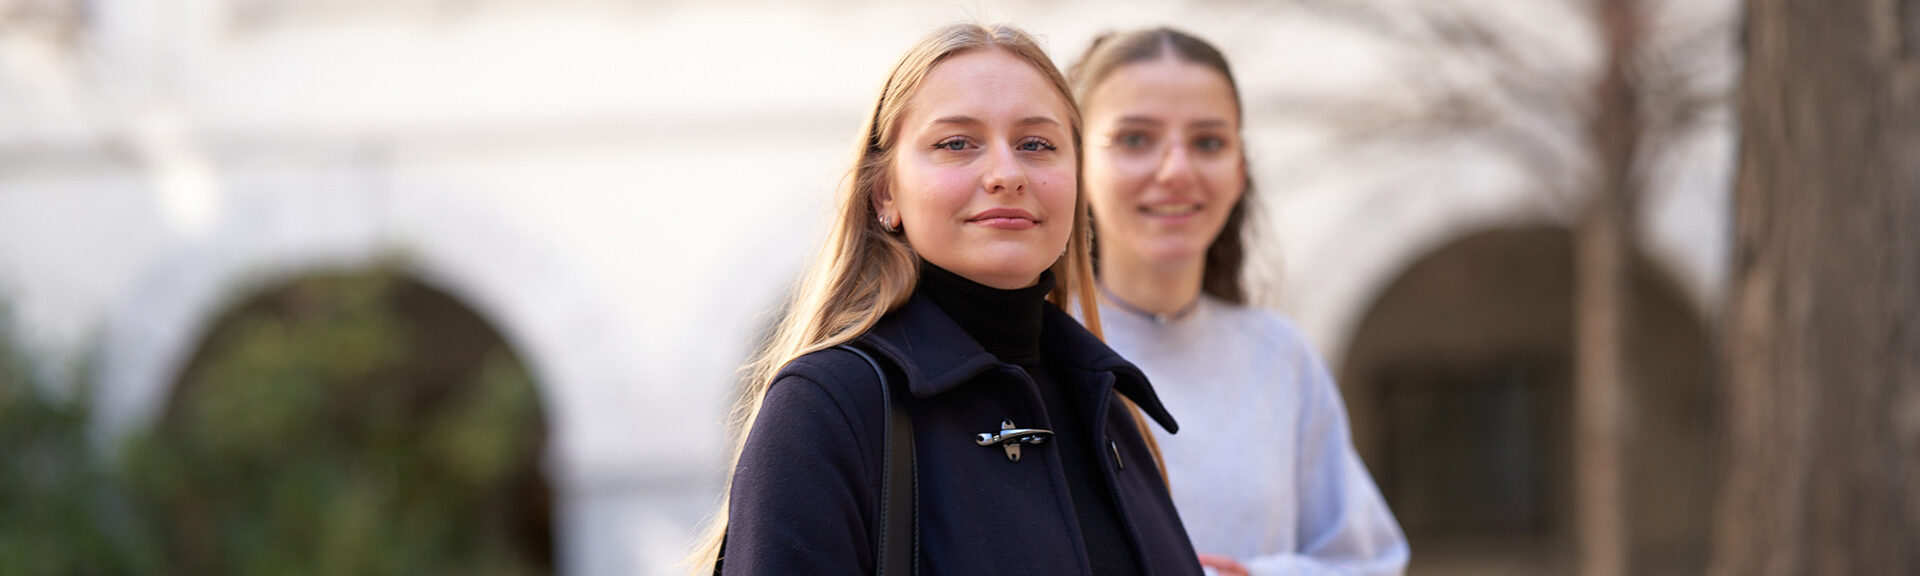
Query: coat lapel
{"points": [[937, 355]]}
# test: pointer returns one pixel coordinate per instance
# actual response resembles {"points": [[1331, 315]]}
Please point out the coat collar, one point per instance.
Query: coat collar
{"points": [[937, 355]]}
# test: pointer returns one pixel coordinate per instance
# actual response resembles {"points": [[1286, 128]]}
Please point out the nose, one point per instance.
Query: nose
{"points": [[1176, 168], [1004, 172]]}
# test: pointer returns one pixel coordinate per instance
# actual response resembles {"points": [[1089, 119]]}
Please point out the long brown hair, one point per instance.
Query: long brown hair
{"points": [[864, 271], [1227, 255]]}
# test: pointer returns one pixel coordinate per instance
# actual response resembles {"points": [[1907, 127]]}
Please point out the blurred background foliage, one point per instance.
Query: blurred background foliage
{"points": [[54, 490], [347, 423]]}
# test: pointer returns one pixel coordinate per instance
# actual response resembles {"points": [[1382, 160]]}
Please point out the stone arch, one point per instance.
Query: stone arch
{"points": [[546, 302], [1458, 378], [480, 258], [364, 389]]}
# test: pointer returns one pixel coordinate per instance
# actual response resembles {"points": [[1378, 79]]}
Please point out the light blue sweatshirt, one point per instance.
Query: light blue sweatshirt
{"points": [[1263, 469]]}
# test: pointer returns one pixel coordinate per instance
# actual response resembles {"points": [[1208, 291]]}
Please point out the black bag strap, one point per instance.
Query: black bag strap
{"points": [[897, 553], [899, 547]]}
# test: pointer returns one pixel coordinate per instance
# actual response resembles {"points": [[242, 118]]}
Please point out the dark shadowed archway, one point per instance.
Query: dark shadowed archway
{"points": [[1459, 384]]}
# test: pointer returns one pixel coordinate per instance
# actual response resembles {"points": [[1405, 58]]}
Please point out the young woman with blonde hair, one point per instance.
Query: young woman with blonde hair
{"points": [[959, 240], [1265, 474]]}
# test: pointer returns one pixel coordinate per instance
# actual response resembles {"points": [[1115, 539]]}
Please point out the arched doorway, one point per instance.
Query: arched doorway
{"points": [[355, 422], [1459, 384]]}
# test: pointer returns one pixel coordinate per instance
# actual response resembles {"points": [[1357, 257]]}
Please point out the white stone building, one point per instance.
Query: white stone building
{"points": [[625, 189]]}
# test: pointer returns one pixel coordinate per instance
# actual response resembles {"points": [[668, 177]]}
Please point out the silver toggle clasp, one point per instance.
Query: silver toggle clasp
{"points": [[1011, 438]]}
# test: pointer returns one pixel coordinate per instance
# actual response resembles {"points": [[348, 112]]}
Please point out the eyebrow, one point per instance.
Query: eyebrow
{"points": [[1207, 123], [969, 120]]}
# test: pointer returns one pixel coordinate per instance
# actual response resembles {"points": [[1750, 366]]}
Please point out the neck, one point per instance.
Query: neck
{"points": [[1162, 288], [1005, 322]]}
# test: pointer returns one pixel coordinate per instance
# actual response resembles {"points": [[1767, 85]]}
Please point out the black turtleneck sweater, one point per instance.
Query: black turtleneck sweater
{"points": [[1007, 324]]}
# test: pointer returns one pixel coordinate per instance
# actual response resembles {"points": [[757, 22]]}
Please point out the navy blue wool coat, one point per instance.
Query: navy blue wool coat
{"points": [[806, 489]]}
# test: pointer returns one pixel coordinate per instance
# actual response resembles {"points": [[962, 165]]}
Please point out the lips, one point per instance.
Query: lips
{"points": [[1170, 209], [1005, 219]]}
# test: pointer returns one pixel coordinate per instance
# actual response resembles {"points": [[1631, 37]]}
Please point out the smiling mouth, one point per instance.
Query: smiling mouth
{"points": [[1170, 209], [1004, 214], [1005, 219]]}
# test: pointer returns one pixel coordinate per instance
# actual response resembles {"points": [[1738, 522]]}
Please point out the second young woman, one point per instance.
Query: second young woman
{"points": [[958, 241], [1266, 476]]}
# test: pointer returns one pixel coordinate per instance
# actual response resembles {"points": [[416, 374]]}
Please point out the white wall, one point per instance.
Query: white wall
{"points": [[623, 190]]}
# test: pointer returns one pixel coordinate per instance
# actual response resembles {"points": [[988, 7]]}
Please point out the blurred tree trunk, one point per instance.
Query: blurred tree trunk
{"points": [[1822, 328], [1603, 251]]}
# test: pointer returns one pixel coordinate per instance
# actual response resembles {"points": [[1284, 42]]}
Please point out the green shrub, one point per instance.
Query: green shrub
{"points": [[55, 513]]}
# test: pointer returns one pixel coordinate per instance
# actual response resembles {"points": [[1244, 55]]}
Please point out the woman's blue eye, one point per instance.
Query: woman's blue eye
{"points": [[1132, 140], [1035, 146], [955, 144]]}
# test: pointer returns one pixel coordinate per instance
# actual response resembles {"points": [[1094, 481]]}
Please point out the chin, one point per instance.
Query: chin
{"points": [[1001, 275], [1013, 261], [1175, 251]]}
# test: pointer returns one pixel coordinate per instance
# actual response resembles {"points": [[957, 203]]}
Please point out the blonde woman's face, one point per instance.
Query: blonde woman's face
{"points": [[1164, 163], [983, 179]]}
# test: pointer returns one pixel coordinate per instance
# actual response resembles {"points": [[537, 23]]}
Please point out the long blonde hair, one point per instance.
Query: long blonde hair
{"points": [[863, 271]]}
